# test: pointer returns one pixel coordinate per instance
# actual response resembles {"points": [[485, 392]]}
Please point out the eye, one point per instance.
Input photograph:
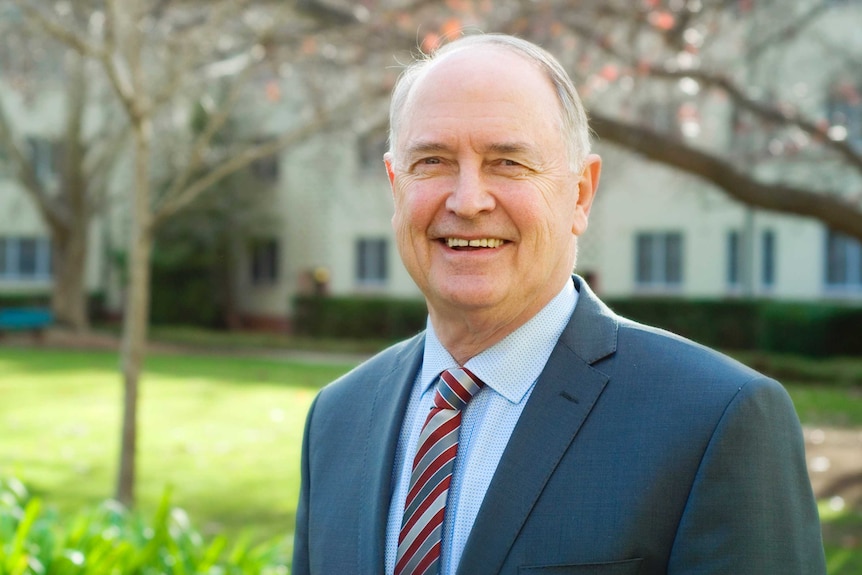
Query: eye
{"points": [[508, 165], [430, 161]]}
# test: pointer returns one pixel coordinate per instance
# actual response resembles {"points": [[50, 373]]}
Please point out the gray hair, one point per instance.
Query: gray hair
{"points": [[573, 118]]}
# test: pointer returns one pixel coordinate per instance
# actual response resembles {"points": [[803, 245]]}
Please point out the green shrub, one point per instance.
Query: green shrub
{"points": [[25, 300], [359, 317], [812, 329], [112, 541], [723, 324]]}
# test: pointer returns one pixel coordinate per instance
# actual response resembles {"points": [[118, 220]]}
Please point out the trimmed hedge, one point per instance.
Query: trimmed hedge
{"points": [[719, 324], [359, 317], [25, 300], [814, 329]]}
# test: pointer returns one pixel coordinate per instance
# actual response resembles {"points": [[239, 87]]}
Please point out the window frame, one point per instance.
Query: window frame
{"points": [[38, 269], [659, 261], [264, 264], [846, 252], [371, 261]]}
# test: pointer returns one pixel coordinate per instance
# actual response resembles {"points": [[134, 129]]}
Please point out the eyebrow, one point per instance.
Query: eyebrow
{"points": [[498, 148], [426, 148], [511, 148]]}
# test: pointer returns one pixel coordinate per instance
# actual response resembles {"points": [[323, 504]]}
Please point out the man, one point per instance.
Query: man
{"points": [[574, 441]]}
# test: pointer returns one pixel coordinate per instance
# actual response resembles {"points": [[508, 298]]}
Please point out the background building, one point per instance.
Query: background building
{"points": [[317, 214]]}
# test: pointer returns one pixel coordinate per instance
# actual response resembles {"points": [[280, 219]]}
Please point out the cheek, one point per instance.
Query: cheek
{"points": [[415, 206]]}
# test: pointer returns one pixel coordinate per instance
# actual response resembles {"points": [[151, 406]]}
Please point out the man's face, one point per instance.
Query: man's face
{"points": [[486, 206]]}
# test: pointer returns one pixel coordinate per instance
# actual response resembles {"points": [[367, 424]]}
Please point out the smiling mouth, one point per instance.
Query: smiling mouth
{"points": [[477, 243]]}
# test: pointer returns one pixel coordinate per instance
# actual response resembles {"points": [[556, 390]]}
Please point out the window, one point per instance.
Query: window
{"points": [[371, 265], [843, 262], [4, 159], [734, 259], [767, 259], [264, 262], [25, 259], [46, 158], [658, 259], [266, 169], [371, 147]]}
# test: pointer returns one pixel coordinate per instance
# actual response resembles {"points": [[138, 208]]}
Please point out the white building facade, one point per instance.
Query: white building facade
{"points": [[653, 231]]}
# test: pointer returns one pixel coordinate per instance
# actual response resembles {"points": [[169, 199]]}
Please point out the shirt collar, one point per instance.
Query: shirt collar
{"points": [[510, 366]]}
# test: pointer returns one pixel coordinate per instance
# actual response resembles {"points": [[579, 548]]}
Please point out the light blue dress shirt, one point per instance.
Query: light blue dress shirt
{"points": [[510, 370]]}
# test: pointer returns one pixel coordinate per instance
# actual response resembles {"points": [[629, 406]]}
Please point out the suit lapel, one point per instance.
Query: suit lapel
{"points": [[562, 399], [387, 414]]}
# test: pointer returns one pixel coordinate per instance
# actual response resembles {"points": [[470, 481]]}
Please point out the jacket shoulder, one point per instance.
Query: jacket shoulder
{"points": [[368, 375]]}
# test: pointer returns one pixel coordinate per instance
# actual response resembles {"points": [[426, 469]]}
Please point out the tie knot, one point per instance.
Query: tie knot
{"points": [[455, 388]]}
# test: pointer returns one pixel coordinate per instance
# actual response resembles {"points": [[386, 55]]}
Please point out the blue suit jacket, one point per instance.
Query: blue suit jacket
{"points": [[638, 452]]}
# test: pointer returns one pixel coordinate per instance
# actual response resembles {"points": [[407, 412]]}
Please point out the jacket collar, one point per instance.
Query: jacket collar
{"points": [[563, 397]]}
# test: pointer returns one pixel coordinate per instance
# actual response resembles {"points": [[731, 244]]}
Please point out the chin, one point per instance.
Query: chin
{"points": [[468, 298]]}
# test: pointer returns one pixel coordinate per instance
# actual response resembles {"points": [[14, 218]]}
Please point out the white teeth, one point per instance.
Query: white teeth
{"points": [[482, 243]]}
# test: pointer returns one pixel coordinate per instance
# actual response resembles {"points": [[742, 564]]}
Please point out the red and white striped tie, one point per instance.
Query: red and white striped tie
{"points": [[419, 540]]}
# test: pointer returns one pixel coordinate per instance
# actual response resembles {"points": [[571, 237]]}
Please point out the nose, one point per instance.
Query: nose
{"points": [[471, 195]]}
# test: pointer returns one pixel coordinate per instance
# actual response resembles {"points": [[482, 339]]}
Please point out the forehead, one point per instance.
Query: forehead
{"points": [[481, 85]]}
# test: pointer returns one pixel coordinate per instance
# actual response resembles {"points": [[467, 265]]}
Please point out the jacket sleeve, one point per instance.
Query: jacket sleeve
{"points": [[301, 564], [751, 509]]}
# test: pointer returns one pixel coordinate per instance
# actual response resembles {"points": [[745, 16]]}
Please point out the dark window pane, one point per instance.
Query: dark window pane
{"points": [[371, 264], [733, 254], [768, 258], [673, 262], [264, 262], [835, 269], [27, 266], [644, 258], [5, 264]]}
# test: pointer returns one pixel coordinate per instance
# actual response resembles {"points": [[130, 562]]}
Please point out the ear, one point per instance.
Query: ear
{"points": [[390, 170], [587, 187]]}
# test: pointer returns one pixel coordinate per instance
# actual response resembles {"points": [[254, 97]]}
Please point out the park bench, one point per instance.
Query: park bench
{"points": [[30, 319]]}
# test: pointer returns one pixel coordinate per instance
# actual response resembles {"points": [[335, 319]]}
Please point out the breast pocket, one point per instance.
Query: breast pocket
{"points": [[629, 567]]}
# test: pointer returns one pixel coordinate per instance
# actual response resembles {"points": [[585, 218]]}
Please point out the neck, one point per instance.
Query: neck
{"points": [[467, 333], [465, 339]]}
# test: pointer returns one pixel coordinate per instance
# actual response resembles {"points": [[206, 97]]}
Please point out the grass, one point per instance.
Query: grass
{"points": [[225, 431], [195, 337], [841, 532], [826, 405]]}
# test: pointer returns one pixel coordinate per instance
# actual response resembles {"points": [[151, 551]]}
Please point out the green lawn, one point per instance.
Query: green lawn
{"points": [[225, 432]]}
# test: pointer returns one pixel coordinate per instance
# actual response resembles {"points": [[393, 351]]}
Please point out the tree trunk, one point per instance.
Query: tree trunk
{"points": [[69, 293], [70, 241], [136, 318]]}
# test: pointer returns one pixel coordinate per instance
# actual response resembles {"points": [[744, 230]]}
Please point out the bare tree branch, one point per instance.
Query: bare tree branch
{"points": [[321, 122], [203, 141], [180, 44], [122, 79], [825, 205], [791, 30], [26, 172], [60, 32], [764, 110]]}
